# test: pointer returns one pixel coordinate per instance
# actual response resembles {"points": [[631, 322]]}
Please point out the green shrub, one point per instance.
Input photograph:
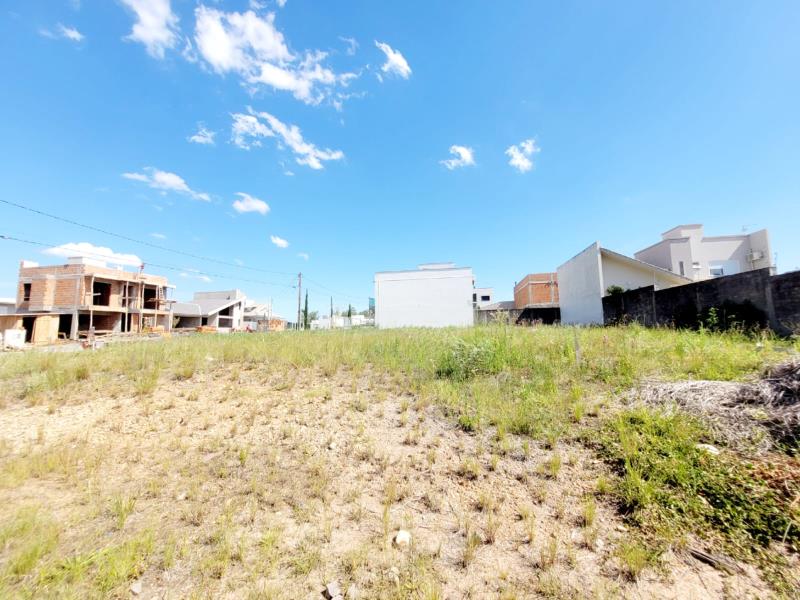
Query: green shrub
{"points": [[464, 360]]}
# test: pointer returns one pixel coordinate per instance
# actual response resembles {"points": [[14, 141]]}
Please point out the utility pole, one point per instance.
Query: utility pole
{"points": [[299, 294], [331, 312]]}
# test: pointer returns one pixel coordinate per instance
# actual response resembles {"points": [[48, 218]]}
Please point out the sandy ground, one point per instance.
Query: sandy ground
{"points": [[327, 470]]}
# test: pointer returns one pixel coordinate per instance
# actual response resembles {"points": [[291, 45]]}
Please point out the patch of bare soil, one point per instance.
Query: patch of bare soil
{"points": [[272, 484]]}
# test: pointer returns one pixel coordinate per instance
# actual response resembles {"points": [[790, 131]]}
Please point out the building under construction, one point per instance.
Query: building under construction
{"points": [[85, 297], [536, 296]]}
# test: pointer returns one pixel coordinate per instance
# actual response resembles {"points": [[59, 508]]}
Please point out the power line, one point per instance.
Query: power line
{"points": [[157, 265], [174, 251], [327, 289], [142, 242]]}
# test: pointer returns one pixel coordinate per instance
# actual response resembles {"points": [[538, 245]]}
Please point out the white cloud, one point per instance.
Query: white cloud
{"points": [[352, 45], [247, 128], [195, 274], [252, 46], [87, 250], [520, 156], [395, 62], [203, 136], [278, 241], [137, 177], [281, 3], [156, 25], [166, 182], [70, 33], [233, 41], [158, 236], [62, 31], [303, 255], [464, 156], [248, 203]]}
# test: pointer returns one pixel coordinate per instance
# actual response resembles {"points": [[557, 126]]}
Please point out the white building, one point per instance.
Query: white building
{"points": [[585, 278], [686, 251], [432, 295], [482, 297], [8, 306], [340, 322], [223, 310]]}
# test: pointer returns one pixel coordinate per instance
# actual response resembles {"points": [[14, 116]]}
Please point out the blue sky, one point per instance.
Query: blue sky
{"points": [[572, 122]]}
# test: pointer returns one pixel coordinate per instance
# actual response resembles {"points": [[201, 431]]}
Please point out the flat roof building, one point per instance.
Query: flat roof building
{"points": [[432, 295]]}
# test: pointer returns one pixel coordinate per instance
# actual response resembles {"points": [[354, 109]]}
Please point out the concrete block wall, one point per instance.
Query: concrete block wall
{"points": [[634, 305], [752, 298], [785, 297]]}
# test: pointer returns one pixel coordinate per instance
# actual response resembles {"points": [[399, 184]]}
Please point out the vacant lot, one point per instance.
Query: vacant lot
{"points": [[547, 462]]}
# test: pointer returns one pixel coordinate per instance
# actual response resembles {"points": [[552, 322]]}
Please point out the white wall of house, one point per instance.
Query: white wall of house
{"points": [[580, 288], [206, 306], [434, 295], [685, 250], [621, 271], [584, 279], [340, 322]]}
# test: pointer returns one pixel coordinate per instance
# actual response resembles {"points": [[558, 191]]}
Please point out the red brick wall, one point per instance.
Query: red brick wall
{"points": [[536, 288], [58, 290]]}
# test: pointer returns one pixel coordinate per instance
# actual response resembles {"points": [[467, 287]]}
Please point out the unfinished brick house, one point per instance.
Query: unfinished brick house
{"points": [[68, 301], [537, 297], [536, 289]]}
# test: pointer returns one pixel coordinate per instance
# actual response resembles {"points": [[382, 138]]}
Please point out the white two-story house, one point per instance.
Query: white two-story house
{"points": [[685, 251]]}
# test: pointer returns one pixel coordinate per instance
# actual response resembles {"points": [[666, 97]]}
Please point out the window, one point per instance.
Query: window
{"points": [[680, 268], [717, 271], [474, 297], [26, 292], [485, 298], [101, 293], [149, 298]]}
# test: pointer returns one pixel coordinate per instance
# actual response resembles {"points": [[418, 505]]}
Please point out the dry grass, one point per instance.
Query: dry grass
{"points": [[266, 466]]}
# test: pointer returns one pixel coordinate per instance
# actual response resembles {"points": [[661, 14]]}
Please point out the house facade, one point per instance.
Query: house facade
{"points": [[86, 297], [432, 295], [223, 310], [259, 317], [686, 251], [482, 297], [585, 279]]}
